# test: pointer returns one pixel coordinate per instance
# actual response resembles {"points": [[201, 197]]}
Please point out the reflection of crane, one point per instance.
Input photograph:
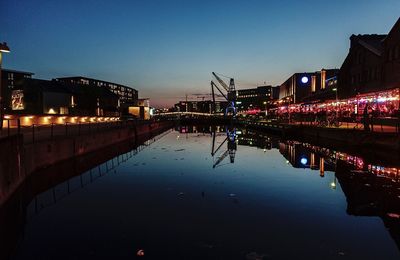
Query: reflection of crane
{"points": [[232, 146], [230, 95]]}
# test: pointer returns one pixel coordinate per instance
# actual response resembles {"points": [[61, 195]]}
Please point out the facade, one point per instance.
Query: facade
{"points": [[307, 86], [38, 97], [362, 70], [205, 106], [372, 64], [127, 95], [391, 57], [142, 110], [10, 78], [256, 98]]}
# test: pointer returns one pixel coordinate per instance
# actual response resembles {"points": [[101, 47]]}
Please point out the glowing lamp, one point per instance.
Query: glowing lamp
{"points": [[304, 80], [51, 111], [303, 161], [4, 47]]}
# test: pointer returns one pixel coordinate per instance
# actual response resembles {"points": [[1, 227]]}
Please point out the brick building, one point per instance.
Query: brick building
{"points": [[372, 64]]}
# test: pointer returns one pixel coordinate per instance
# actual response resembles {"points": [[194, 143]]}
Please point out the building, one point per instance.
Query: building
{"points": [[362, 70], [372, 64], [308, 86], [256, 98], [141, 110], [9, 78], [391, 58], [38, 97], [204, 106], [127, 95]]}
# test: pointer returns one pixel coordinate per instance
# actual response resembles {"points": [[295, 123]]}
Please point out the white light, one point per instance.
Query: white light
{"points": [[304, 79], [304, 161]]}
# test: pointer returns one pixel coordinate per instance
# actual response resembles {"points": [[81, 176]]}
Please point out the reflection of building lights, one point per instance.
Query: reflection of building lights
{"points": [[287, 161], [333, 185]]}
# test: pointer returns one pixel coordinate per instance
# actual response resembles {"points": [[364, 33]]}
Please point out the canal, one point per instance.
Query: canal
{"points": [[208, 193]]}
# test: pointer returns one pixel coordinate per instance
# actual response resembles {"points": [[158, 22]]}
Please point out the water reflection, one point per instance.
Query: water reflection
{"points": [[159, 203], [51, 185], [371, 189], [231, 144]]}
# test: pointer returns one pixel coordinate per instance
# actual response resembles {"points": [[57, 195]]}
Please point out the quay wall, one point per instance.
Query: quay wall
{"points": [[350, 137], [19, 160], [353, 138]]}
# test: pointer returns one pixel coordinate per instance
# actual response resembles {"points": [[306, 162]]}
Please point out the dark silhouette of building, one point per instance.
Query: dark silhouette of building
{"points": [[204, 106], [37, 97], [391, 54], [372, 64], [127, 95], [258, 98], [362, 71]]}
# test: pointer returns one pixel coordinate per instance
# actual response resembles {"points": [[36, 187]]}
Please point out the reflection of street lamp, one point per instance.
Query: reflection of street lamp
{"points": [[3, 48], [333, 183]]}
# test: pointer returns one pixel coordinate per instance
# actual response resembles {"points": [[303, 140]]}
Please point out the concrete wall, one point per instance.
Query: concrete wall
{"points": [[11, 173], [17, 161]]}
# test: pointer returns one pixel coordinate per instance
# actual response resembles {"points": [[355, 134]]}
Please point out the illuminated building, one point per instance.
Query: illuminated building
{"points": [[308, 86], [9, 79], [258, 98], [38, 97], [142, 110]]}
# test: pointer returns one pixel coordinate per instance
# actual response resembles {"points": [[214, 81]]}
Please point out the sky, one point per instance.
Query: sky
{"points": [[168, 49]]}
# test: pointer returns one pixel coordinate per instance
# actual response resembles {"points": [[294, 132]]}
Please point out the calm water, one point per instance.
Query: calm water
{"points": [[256, 198]]}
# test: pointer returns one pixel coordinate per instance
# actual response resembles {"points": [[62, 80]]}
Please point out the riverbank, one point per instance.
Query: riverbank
{"points": [[19, 160], [351, 138]]}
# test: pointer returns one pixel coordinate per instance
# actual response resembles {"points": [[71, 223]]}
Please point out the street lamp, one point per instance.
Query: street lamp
{"points": [[337, 104], [265, 106], [335, 89], [3, 48]]}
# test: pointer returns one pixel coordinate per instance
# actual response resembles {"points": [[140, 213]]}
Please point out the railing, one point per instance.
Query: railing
{"points": [[378, 124]]}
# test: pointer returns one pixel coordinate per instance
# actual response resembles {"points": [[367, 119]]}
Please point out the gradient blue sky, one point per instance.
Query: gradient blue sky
{"points": [[167, 49]]}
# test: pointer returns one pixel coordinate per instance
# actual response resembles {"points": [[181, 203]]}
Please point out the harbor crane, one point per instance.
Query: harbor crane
{"points": [[227, 91], [230, 139]]}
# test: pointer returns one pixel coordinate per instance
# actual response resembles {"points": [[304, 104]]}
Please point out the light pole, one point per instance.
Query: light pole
{"points": [[3, 48], [337, 103]]}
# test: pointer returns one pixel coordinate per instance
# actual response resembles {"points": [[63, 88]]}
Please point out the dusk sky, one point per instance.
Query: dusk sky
{"points": [[167, 49]]}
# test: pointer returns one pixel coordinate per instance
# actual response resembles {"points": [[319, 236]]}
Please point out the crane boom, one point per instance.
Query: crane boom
{"points": [[223, 84], [221, 158]]}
